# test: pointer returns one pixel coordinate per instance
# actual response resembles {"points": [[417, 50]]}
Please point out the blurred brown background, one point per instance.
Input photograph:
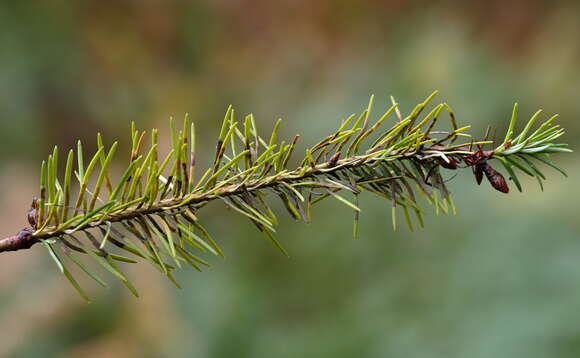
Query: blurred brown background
{"points": [[500, 279]]}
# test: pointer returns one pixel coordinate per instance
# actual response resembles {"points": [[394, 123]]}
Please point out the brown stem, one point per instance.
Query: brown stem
{"points": [[25, 240], [22, 240]]}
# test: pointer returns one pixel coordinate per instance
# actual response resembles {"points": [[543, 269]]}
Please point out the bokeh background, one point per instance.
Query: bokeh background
{"points": [[499, 279]]}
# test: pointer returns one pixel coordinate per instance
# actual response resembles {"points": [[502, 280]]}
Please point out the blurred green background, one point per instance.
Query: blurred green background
{"points": [[499, 279]]}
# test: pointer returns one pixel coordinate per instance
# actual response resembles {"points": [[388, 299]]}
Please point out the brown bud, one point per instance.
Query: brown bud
{"points": [[495, 179]]}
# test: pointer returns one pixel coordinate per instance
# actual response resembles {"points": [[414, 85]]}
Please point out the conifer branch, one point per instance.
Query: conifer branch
{"points": [[151, 212]]}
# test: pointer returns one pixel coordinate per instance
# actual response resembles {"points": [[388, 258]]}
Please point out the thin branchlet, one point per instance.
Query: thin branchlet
{"points": [[151, 213]]}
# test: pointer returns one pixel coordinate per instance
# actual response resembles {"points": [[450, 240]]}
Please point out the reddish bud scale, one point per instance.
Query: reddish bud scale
{"points": [[333, 160], [32, 214]]}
